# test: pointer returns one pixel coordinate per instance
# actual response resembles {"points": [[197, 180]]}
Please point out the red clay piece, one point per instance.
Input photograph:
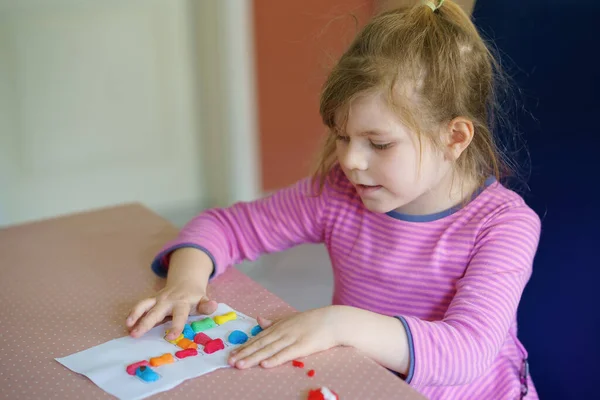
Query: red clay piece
{"points": [[322, 394], [189, 352], [311, 373], [298, 364], [202, 338], [213, 345], [133, 367]]}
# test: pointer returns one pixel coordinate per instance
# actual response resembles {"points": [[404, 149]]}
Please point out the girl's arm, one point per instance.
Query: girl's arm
{"points": [[218, 238], [382, 338], [246, 230]]}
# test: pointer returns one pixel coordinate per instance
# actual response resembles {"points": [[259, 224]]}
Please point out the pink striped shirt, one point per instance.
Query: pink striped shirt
{"points": [[454, 279]]}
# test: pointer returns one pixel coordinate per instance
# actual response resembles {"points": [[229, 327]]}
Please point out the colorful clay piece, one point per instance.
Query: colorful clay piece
{"points": [[322, 394], [311, 373], [203, 324], [188, 332], [166, 358], [256, 330], [213, 345], [190, 352], [298, 364], [146, 374], [133, 367], [174, 341], [221, 319], [202, 338], [237, 337], [187, 344]]}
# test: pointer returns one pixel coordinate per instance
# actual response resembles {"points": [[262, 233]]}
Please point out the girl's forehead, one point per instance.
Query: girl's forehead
{"points": [[372, 112], [364, 106]]}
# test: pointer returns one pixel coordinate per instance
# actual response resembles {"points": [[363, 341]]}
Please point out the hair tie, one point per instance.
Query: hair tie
{"points": [[432, 5]]}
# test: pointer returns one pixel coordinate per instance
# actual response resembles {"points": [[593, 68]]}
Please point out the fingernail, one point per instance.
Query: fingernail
{"points": [[241, 364]]}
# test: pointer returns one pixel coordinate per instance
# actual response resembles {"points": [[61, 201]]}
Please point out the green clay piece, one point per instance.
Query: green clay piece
{"points": [[203, 325]]}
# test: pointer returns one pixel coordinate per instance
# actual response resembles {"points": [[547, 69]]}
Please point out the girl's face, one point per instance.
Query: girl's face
{"points": [[385, 163]]}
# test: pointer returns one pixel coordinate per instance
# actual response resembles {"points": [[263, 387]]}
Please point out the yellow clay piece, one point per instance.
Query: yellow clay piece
{"points": [[221, 319], [174, 341]]}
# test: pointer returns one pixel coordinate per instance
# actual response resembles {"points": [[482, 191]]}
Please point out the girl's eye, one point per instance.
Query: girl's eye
{"points": [[380, 146], [376, 146]]}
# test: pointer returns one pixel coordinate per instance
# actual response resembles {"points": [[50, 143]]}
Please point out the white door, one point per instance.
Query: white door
{"points": [[97, 107]]}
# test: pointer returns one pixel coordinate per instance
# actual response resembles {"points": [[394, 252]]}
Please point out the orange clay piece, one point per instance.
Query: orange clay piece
{"points": [[166, 358], [221, 319], [187, 344]]}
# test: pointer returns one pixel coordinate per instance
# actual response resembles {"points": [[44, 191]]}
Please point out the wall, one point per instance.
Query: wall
{"points": [[96, 107], [295, 43], [110, 102], [548, 50]]}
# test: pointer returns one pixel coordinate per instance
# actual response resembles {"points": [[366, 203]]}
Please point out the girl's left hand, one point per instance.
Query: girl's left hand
{"points": [[297, 336]]}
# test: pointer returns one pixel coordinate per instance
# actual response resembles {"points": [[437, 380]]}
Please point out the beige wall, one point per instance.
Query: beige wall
{"points": [[97, 107]]}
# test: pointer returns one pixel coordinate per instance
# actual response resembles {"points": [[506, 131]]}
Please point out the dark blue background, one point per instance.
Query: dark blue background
{"points": [[550, 49]]}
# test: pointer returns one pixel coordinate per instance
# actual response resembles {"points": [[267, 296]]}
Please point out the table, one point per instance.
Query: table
{"points": [[68, 283]]}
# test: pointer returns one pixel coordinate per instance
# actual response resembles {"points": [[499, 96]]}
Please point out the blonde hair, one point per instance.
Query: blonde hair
{"points": [[450, 70]]}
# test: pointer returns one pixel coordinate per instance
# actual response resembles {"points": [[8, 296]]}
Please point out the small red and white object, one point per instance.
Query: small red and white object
{"points": [[323, 393]]}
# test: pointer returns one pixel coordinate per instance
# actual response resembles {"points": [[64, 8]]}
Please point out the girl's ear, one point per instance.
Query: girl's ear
{"points": [[460, 134]]}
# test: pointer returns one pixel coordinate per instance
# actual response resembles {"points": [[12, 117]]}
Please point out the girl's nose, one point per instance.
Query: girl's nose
{"points": [[354, 158]]}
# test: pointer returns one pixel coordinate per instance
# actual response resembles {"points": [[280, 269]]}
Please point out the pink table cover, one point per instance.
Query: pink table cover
{"points": [[68, 283]]}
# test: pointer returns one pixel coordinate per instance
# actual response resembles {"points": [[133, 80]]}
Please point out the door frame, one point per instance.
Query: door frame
{"points": [[227, 94]]}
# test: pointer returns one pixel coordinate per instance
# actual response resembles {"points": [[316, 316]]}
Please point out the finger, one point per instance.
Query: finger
{"points": [[181, 312], [263, 353], [154, 316], [264, 323], [206, 306], [138, 310], [288, 353], [252, 346]]}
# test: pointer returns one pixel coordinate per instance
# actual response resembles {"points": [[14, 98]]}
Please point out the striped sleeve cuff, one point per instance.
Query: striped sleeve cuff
{"points": [[160, 264], [411, 350]]}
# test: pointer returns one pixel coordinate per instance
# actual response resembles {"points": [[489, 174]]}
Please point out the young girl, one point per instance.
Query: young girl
{"points": [[430, 252]]}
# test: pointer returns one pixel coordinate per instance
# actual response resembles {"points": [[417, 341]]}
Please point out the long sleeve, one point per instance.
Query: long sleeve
{"points": [[246, 230], [463, 345]]}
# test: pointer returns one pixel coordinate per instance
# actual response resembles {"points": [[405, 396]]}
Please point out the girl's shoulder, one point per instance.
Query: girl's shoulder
{"points": [[497, 201]]}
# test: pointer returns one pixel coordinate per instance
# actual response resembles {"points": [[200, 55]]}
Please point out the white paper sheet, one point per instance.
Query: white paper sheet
{"points": [[105, 364]]}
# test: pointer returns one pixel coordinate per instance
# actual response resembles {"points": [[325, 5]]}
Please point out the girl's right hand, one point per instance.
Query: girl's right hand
{"points": [[177, 301], [184, 294]]}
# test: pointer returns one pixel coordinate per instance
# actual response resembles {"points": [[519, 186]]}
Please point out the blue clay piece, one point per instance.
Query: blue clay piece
{"points": [[237, 337], [188, 332], [256, 330], [147, 374]]}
